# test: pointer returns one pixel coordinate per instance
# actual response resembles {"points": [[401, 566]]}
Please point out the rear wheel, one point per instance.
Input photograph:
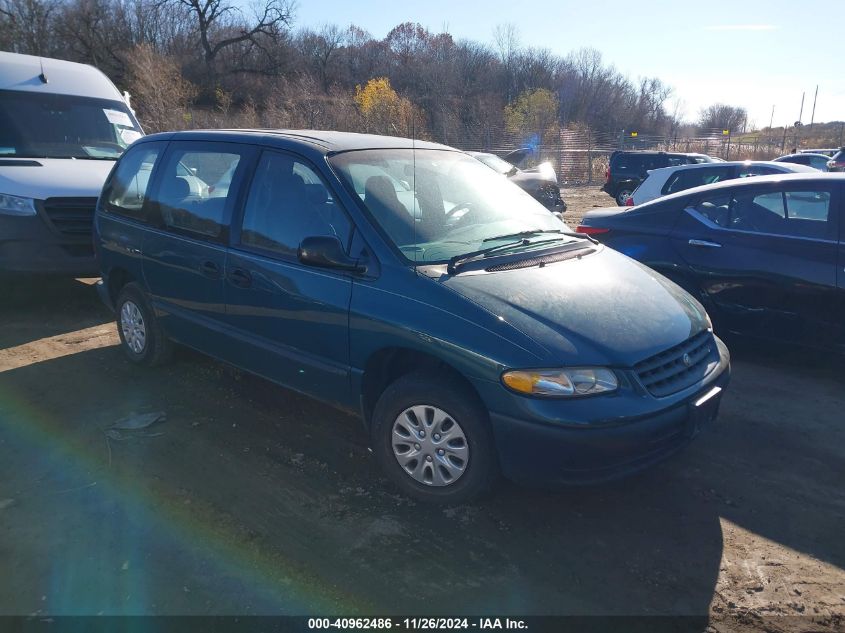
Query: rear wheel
{"points": [[140, 333], [622, 195], [433, 440]]}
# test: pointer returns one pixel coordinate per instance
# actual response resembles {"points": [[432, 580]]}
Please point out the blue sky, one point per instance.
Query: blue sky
{"points": [[750, 53]]}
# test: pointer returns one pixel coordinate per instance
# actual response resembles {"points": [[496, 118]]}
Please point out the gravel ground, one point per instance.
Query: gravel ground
{"points": [[251, 499], [581, 199]]}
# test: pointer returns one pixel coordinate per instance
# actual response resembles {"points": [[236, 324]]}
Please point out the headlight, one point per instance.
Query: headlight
{"points": [[561, 383], [15, 205]]}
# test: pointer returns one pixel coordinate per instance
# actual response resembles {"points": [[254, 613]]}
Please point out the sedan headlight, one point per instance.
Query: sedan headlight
{"points": [[15, 205], [561, 383]]}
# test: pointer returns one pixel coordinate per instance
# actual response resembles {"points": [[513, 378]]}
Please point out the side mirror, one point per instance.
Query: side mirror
{"points": [[325, 251]]}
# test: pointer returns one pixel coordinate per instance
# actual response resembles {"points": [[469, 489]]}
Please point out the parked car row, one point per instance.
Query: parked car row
{"points": [[634, 177], [661, 182], [627, 169]]}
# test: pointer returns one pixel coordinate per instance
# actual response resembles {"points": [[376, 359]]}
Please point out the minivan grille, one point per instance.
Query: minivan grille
{"points": [[71, 216], [667, 372]]}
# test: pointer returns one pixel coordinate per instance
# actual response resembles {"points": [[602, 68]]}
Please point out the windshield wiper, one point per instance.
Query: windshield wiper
{"points": [[521, 240], [526, 234], [521, 234], [457, 260]]}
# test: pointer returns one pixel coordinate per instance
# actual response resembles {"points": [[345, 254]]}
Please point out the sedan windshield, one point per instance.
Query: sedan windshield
{"points": [[496, 163], [435, 205], [36, 125]]}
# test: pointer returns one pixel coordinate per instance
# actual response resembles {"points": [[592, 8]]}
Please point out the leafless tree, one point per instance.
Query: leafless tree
{"points": [[223, 28]]}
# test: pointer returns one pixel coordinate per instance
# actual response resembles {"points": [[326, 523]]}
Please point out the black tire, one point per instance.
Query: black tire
{"points": [[425, 388], [157, 348], [623, 194]]}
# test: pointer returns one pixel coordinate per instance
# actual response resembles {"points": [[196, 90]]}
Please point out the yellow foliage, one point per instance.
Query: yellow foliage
{"points": [[384, 111], [533, 112]]}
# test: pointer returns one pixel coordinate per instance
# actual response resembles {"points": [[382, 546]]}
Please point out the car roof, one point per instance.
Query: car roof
{"points": [[794, 167], [22, 73], [816, 176], [801, 154], [323, 141]]}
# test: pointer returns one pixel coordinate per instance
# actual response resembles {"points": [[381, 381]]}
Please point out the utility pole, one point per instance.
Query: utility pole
{"points": [[771, 122], [813, 117]]}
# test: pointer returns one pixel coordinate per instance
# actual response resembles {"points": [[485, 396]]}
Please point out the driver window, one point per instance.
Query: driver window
{"points": [[288, 202]]}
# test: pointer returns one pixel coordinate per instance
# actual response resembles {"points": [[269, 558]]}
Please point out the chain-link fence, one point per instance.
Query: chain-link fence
{"points": [[582, 156]]}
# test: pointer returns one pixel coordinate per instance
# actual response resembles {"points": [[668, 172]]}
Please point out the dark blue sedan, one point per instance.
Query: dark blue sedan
{"points": [[766, 255]]}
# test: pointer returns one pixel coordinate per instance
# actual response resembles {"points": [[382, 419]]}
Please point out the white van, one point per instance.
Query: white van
{"points": [[62, 126]]}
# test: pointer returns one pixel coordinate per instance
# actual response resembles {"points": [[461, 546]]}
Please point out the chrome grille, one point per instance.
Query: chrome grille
{"points": [[678, 367], [73, 217]]}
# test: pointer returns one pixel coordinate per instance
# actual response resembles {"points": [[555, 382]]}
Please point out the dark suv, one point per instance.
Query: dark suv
{"points": [[629, 168]]}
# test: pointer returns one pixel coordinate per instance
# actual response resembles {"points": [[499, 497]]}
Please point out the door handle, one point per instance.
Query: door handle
{"points": [[240, 278], [210, 269], [705, 244]]}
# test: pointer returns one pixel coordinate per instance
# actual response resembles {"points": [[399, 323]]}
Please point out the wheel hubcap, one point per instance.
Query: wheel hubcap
{"points": [[132, 326], [430, 445]]}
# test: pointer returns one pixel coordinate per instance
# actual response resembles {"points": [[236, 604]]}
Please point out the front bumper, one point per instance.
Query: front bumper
{"points": [[537, 451], [29, 246]]}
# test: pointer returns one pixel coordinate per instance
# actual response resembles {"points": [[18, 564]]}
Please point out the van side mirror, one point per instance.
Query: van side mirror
{"points": [[326, 251]]}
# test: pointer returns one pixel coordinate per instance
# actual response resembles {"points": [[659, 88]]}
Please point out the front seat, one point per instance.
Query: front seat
{"points": [[382, 201]]}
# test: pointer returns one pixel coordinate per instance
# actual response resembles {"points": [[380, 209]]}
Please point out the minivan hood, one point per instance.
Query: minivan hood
{"points": [[43, 178], [603, 309]]}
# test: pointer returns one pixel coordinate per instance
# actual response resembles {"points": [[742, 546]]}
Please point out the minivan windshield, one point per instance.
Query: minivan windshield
{"points": [[435, 205], [36, 125]]}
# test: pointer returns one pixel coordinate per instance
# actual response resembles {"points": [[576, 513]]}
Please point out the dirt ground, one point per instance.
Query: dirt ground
{"points": [[249, 499], [581, 199]]}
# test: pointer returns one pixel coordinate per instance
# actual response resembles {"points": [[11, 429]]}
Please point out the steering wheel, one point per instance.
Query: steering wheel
{"points": [[461, 205]]}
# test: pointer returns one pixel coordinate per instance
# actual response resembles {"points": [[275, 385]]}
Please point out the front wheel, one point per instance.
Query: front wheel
{"points": [[433, 440]]}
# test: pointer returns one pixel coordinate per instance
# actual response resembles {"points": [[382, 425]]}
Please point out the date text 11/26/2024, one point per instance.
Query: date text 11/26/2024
{"points": [[416, 624]]}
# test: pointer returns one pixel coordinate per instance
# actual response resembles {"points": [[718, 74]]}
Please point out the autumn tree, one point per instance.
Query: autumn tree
{"points": [[385, 112], [534, 112]]}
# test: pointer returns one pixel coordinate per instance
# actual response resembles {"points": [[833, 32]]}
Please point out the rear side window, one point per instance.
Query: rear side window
{"points": [[126, 191], [799, 213], [288, 201], [795, 212], [688, 178], [193, 190]]}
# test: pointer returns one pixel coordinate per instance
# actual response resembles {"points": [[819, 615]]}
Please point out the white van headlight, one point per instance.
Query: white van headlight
{"points": [[15, 205], [561, 383]]}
